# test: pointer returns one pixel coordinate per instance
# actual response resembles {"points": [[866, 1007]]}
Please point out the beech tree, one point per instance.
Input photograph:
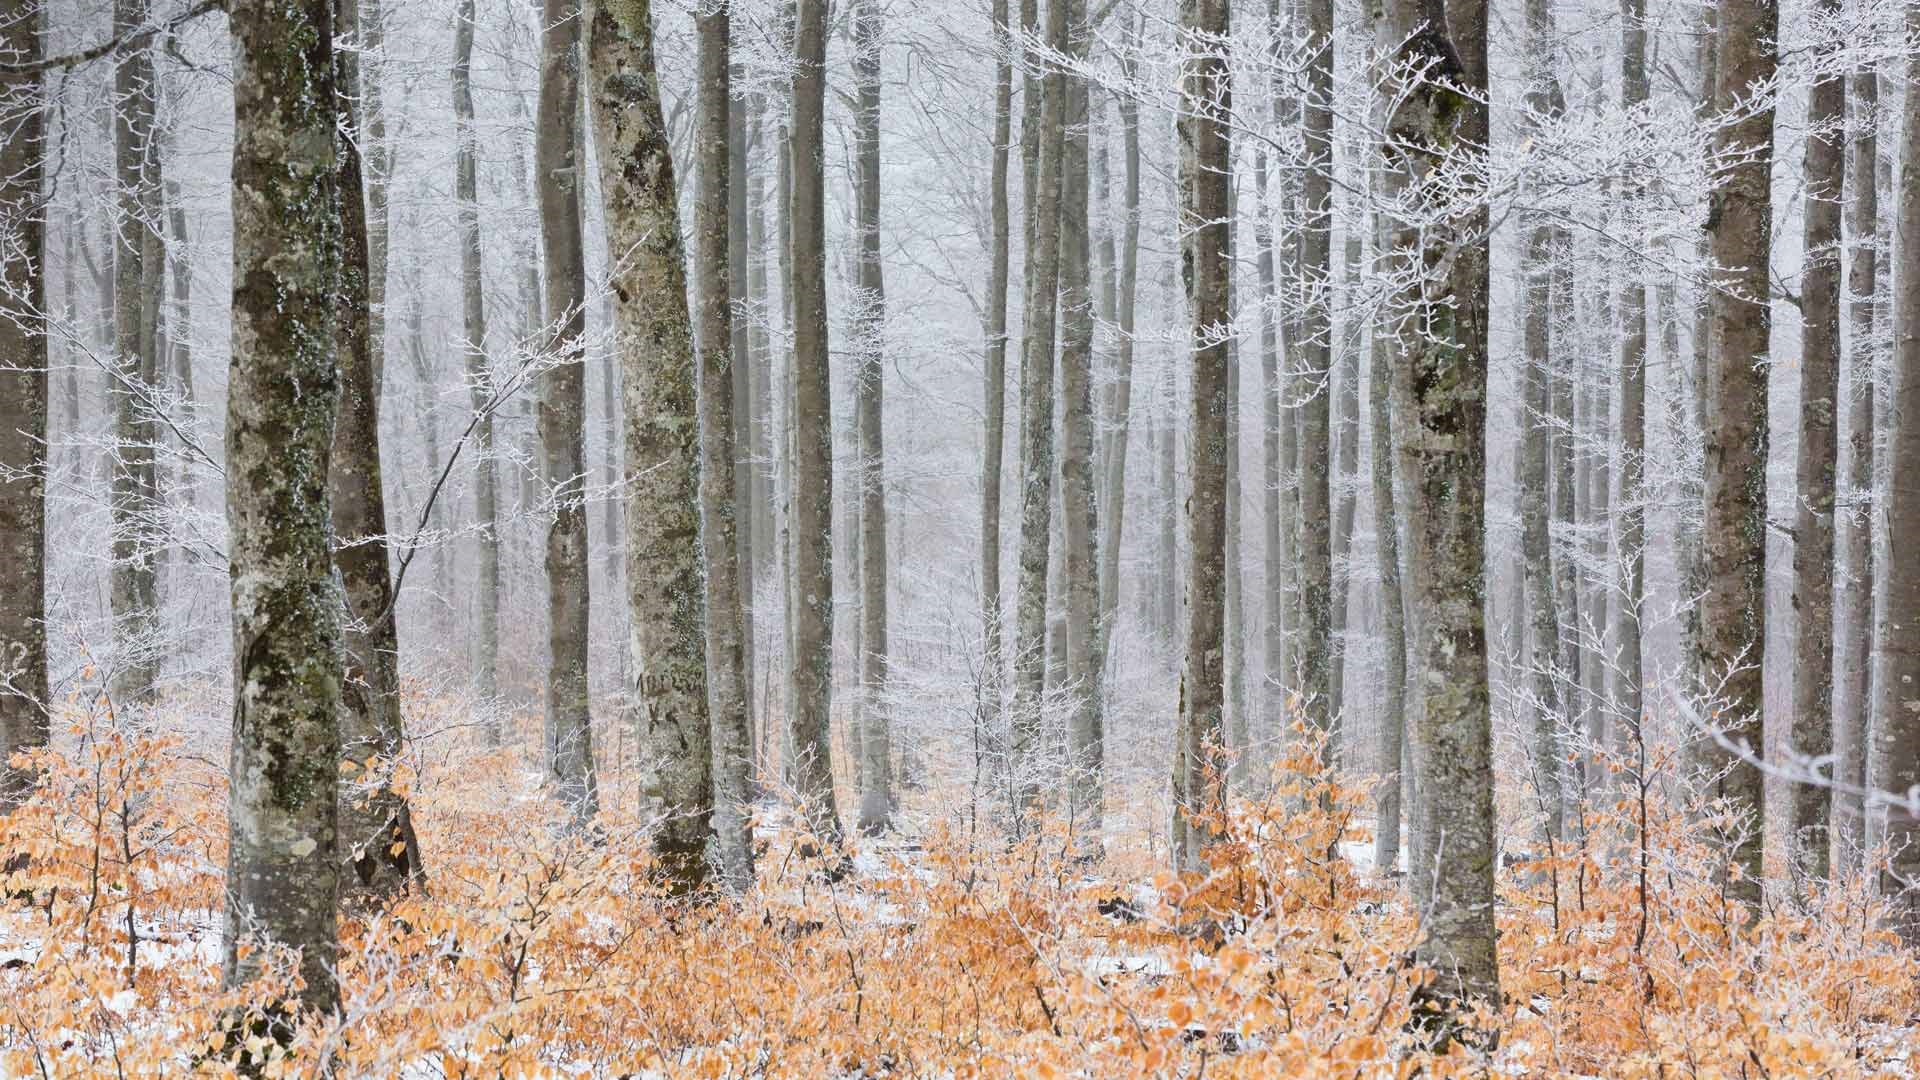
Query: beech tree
{"points": [[654, 335], [24, 705], [283, 380]]}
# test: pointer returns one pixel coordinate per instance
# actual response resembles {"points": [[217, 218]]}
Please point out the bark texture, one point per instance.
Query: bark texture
{"points": [[1313, 358], [137, 273], [1205, 181], [810, 512], [876, 748], [1732, 641], [560, 162], [1042, 143], [486, 613], [995, 388], [653, 334], [23, 406], [732, 726], [1854, 611], [378, 849], [1440, 405], [1894, 762], [282, 389], [1815, 467], [1080, 528]]}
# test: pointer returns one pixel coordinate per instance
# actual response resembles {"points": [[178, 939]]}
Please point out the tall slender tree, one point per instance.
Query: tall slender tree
{"points": [[1205, 180], [1044, 142], [1732, 639], [560, 161], [282, 390], [1629, 522], [23, 402], [377, 844], [1894, 763], [137, 274], [1816, 460], [1080, 519], [811, 505], [876, 748], [654, 335], [1314, 356], [995, 385], [1439, 391], [1853, 615], [1113, 493], [725, 641], [466, 193]]}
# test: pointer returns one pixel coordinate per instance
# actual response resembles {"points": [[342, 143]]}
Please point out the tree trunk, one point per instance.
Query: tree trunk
{"points": [[1439, 394], [1537, 460], [1815, 466], [1276, 527], [24, 360], [1080, 518], [1205, 180], [1732, 640], [560, 164], [379, 851], [811, 513], [654, 337], [1854, 616], [1113, 497], [1168, 549], [282, 389], [875, 750], [995, 389], [137, 273], [1315, 271], [732, 725], [479, 382], [1895, 749], [1393, 619], [1345, 482], [747, 465], [1629, 522], [1044, 144]]}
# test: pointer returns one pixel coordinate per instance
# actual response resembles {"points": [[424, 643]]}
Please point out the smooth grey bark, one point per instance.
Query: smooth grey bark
{"points": [[811, 512], [379, 852], [1168, 549], [137, 275], [560, 164], [654, 335], [732, 725], [1439, 406], [1119, 413], [1205, 180], [1043, 143], [748, 469], [1894, 749], [1312, 357], [1393, 620], [1629, 520], [1344, 485], [876, 750], [1732, 641], [1537, 461], [479, 381], [1239, 731], [1854, 611], [993, 452], [1816, 463], [1276, 530], [24, 360], [282, 390], [1080, 525]]}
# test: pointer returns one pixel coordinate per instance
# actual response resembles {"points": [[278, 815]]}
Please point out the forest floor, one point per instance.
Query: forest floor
{"points": [[957, 951]]}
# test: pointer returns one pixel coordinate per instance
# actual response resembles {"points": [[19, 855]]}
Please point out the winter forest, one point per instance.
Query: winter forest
{"points": [[959, 538]]}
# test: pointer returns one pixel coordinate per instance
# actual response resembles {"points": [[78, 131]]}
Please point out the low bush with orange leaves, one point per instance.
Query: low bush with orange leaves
{"points": [[531, 952]]}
